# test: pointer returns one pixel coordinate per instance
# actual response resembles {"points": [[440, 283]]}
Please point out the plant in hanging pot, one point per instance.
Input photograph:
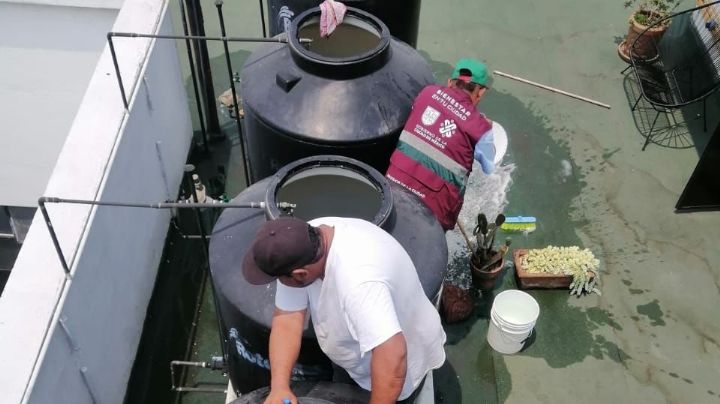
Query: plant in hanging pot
{"points": [[645, 14], [486, 262]]}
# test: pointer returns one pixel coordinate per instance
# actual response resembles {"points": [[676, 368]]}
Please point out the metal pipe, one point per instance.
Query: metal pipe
{"points": [[53, 236], [201, 227], [110, 35], [193, 75], [117, 69], [262, 19], [173, 364], [191, 336], [167, 205], [204, 38], [83, 373], [162, 205], [246, 163], [200, 390]]}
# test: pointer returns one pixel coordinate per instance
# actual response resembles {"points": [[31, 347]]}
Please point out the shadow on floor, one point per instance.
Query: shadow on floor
{"points": [[446, 384]]}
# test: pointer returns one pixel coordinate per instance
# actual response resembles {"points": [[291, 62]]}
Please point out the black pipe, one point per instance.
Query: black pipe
{"points": [[262, 19], [197, 38], [197, 27], [206, 255], [117, 69], [53, 236], [188, 46], [246, 162]]}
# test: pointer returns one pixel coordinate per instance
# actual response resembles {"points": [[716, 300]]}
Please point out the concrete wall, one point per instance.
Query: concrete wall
{"points": [[47, 57], [112, 4], [109, 155]]}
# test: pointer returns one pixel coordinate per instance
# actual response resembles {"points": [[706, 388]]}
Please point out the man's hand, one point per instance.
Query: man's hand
{"points": [[388, 368], [277, 396]]}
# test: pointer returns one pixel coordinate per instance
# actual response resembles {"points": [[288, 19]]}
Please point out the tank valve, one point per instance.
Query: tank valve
{"points": [[216, 363], [200, 191]]}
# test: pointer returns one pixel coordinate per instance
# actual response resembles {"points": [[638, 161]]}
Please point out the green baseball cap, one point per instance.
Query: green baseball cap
{"points": [[478, 71]]}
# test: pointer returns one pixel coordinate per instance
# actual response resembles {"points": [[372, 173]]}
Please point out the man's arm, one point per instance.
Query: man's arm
{"points": [[388, 368], [285, 338]]}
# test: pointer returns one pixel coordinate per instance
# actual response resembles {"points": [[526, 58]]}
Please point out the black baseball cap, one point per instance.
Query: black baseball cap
{"points": [[281, 246]]}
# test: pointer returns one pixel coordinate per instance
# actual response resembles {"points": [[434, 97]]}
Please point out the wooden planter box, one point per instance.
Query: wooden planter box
{"points": [[529, 280]]}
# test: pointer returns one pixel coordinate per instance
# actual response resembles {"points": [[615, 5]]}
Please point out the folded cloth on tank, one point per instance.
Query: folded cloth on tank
{"points": [[331, 15]]}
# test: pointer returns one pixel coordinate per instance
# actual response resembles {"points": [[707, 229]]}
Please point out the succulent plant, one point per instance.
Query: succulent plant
{"points": [[651, 11], [580, 263]]}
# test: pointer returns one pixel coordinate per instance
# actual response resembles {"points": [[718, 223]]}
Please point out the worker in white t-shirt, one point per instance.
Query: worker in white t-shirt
{"points": [[370, 314]]}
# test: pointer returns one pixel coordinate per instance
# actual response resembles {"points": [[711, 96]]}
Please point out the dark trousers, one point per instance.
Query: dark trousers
{"points": [[342, 376]]}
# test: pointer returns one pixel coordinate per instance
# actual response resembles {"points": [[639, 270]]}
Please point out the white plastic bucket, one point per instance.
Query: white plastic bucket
{"points": [[500, 141], [512, 319]]}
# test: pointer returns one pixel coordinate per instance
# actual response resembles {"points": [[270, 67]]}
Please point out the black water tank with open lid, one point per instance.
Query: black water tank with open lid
{"points": [[348, 95], [401, 16], [320, 186]]}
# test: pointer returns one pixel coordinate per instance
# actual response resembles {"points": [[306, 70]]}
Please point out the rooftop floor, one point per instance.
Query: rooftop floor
{"points": [[653, 334]]}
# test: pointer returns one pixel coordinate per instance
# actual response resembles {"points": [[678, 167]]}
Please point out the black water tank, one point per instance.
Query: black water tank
{"points": [[401, 16], [348, 95], [314, 393], [320, 186]]}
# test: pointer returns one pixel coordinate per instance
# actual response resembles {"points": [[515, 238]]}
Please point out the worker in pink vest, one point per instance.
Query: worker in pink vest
{"points": [[442, 136]]}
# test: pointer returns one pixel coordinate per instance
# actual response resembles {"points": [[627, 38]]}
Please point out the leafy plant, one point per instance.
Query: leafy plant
{"points": [[651, 11], [581, 264]]}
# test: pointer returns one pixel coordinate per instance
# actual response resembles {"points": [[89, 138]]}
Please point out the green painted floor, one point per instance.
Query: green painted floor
{"points": [[654, 335]]}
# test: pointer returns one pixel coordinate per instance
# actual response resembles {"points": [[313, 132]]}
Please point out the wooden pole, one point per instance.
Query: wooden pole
{"points": [[554, 90], [467, 239]]}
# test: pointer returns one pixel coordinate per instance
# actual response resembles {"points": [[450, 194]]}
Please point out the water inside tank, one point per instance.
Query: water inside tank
{"points": [[351, 38], [330, 191]]}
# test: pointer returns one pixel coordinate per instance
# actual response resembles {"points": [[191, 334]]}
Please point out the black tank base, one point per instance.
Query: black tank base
{"points": [[309, 392]]}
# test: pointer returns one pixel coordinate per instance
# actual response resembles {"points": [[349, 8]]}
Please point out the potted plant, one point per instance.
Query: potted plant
{"points": [[486, 262], [645, 14], [558, 267]]}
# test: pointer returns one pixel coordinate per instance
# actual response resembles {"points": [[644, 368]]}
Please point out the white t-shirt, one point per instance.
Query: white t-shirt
{"points": [[370, 292]]}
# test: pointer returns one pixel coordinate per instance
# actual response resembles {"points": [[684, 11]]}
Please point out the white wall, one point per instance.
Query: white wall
{"points": [[115, 4], [114, 252], [47, 57]]}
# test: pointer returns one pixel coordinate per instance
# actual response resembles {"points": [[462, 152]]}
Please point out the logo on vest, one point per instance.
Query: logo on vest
{"points": [[447, 129], [430, 116]]}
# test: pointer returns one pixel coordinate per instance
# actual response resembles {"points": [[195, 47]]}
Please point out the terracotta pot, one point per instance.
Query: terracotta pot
{"points": [[485, 280], [645, 48], [457, 304]]}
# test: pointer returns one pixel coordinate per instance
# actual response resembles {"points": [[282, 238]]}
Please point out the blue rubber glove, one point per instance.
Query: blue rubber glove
{"points": [[485, 152]]}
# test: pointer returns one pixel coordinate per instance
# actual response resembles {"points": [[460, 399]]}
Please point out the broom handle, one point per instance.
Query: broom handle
{"points": [[555, 90]]}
